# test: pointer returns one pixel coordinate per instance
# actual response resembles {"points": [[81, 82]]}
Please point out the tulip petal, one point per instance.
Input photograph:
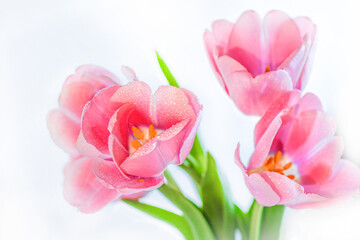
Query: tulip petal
{"points": [[108, 173], [86, 149], [119, 133], [286, 100], [306, 131], [64, 131], [83, 190], [153, 157], [345, 180], [254, 96], [170, 105], [99, 110], [258, 187], [283, 37], [318, 164], [263, 146], [246, 43]]}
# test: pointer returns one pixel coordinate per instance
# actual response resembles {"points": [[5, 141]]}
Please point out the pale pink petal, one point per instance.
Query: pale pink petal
{"points": [[152, 158], [295, 62], [318, 164], [283, 37], [170, 105], [254, 96], [210, 44], [221, 30], [228, 66], [306, 27], [309, 102], [345, 180], [129, 73], [246, 43], [64, 131], [86, 149], [96, 75], [108, 173], [83, 190], [259, 188], [99, 110], [263, 146]]}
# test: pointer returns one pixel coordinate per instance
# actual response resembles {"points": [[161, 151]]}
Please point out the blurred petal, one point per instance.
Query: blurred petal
{"points": [[83, 190]]}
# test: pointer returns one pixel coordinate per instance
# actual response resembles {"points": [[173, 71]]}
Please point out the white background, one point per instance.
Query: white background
{"points": [[42, 42]]}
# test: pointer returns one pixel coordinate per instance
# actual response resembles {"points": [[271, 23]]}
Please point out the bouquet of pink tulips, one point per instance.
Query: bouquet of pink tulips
{"points": [[121, 137]]}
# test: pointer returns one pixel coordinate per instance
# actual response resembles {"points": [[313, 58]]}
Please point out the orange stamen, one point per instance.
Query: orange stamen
{"points": [[152, 132], [135, 144], [269, 163], [137, 133], [292, 177], [277, 157], [287, 166], [267, 68]]}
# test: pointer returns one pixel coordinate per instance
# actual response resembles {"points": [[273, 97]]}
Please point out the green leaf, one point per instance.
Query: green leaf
{"points": [[242, 222], [170, 78], [175, 220], [271, 222], [193, 215], [217, 203]]}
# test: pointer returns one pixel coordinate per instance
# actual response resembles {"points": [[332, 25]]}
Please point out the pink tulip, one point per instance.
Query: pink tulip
{"points": [[121, 138], [256, 61], [296, 161]]}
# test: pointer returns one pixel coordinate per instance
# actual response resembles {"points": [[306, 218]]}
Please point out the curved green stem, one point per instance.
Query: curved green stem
{"points": [[255, 222], [175, 220], [192, 213]]}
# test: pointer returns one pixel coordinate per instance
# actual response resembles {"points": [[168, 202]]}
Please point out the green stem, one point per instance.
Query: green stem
{"points": [[271, 224], [255, 221], [170, 180], [192, 213], [175, 220]]}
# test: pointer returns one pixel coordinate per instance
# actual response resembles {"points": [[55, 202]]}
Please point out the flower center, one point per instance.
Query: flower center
{"points": [[275, 163], [267, 68], [140, 136]]}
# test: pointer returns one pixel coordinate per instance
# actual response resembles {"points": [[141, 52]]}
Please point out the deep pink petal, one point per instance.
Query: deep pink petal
{"points": [[108, 173], [307, 130], [170, 105], [152, 158], [64, 131], [260, 189], [286, 100], [119, 133], [283, 37], [99, 110], [345, 180], [83, 190], [254, 96], [318, 164], [246, 43]]}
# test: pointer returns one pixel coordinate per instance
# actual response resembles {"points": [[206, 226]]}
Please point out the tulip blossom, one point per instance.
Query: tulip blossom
{"points": [[257, 61], [121, 138], [297, 159]]}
